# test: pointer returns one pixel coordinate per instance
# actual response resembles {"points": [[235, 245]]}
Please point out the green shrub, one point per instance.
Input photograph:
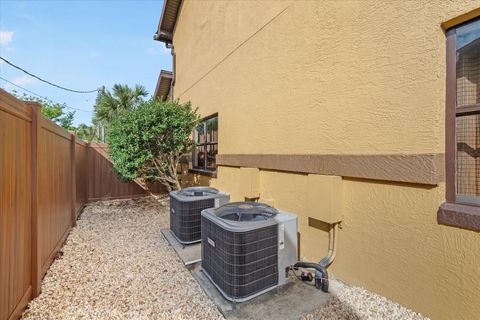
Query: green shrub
{"points": [[147, 142], [52, 110]]}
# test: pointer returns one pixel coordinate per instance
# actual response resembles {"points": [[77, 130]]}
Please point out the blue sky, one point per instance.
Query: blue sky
{"points": [[81, 45]]}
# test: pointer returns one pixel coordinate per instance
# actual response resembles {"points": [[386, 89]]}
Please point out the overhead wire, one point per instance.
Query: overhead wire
{"points": [[46, 81], [40, 96]]}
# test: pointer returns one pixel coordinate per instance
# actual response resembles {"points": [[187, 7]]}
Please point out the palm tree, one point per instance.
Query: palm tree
{"points": [[109, 105]]}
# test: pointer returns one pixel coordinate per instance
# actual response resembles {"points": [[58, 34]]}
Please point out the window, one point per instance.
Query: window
{"points": [[205, 137], [463, 113], [462, 128]]}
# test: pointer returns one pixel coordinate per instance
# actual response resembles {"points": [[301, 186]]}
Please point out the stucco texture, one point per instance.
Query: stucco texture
{"points": [[338, 77]]}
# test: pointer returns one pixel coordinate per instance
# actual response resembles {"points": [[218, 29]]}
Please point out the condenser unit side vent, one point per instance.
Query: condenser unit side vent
{"points": [[186, 206]]}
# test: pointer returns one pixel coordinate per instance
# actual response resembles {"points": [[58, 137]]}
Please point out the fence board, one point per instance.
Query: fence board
{"points": [[81, 172], [103, 182], [15, 107], [54, 196], [46, 177], [15, 197]]}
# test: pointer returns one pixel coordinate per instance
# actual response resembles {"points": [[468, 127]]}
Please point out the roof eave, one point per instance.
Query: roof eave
{"points": [[163, 84], [168, 21], [163, 36]]}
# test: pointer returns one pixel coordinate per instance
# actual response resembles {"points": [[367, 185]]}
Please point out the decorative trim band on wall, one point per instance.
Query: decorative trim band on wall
{"points": [[413, 168], [458, 215]]}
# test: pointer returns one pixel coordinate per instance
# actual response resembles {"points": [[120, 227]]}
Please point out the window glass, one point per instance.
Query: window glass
{"points": [[212, 126], [468, 64], [200, 133], [206, 145], [211, 156], [199, 157]]}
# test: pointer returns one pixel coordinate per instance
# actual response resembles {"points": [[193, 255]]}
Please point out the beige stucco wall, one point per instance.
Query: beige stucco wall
{"points": [[338, 77]]}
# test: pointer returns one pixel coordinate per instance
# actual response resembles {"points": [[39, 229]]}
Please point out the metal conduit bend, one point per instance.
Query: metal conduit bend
{"points": [[321, 273], [332, 248]]}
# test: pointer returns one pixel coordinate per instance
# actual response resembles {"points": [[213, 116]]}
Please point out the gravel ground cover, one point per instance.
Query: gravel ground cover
{"points": [[354, 303], [117, 265]]}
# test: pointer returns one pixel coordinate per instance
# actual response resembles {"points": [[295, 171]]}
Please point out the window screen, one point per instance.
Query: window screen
{"points": [[467, 122], [468, 66]]}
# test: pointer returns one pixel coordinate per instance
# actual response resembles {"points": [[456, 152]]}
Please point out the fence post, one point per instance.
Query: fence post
{"points": [[88, 170], [73, 174], [35, 136]]}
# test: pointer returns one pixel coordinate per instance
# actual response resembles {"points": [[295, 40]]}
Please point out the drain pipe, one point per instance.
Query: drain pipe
{"points": [[174, 68], [332, 248], [321, 273]]}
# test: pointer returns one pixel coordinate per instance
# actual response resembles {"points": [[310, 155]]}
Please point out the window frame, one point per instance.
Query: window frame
{"points": [[205, 170], [455, 211], [452, 113]]}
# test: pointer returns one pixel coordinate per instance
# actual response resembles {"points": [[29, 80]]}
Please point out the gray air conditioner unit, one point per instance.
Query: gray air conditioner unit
{"points": [[186, 206], [247, 247]]}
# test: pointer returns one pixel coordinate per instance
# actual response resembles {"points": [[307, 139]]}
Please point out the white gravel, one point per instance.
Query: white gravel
{"points": [[117, 265], [354, 303]]}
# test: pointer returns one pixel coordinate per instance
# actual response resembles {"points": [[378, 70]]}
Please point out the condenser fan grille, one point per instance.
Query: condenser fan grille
{"points": [[198, 192], [245, 211]]}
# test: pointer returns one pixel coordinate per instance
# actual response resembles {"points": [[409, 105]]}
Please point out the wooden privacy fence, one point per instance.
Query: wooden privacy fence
{"points": [[103, 183], [46, 177]]}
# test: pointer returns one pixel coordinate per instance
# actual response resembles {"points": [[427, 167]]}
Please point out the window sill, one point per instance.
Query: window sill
{"points": [[207, 173], [459, 215]]}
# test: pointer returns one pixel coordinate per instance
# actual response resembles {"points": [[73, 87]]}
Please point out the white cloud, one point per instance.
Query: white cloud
{"points": [[156, 51], [6, 37], [22, 81]]}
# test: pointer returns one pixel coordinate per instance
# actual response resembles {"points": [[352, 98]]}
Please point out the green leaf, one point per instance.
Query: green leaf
{"points": [[154, 131]]}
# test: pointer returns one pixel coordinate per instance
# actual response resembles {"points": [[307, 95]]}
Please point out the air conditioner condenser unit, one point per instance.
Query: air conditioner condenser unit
{"points": [[186, 206], [247, 248]]}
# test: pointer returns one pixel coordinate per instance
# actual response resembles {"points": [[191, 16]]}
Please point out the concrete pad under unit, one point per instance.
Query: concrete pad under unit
{"points": [[189, 254], [291, 301]]}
